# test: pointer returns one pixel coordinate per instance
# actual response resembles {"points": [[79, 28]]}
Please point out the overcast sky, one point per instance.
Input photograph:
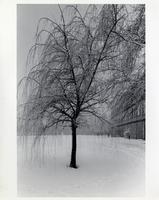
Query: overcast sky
{"points": [[27, 19]]}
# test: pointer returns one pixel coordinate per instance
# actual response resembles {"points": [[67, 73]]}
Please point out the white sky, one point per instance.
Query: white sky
{"points": [[27, 19]]}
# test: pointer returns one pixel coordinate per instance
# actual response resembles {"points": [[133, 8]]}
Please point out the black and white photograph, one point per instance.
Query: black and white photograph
{"points": [[81, 100]]}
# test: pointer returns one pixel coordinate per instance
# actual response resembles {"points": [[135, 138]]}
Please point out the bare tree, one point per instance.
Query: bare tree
{"points": [[70, 72], [129, 92]]}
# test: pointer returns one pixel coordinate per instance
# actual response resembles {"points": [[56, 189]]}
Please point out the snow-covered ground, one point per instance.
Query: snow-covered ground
{"points": [[107, 167]]}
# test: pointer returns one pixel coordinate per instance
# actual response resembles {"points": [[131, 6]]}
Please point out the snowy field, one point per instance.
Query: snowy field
{"points": [[108, 167]]}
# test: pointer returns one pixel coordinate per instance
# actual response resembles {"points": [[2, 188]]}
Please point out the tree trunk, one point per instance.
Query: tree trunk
{"points": [[74, 146]]}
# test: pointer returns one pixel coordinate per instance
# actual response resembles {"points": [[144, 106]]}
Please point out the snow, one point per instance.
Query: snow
{"points": [[108, 167]]}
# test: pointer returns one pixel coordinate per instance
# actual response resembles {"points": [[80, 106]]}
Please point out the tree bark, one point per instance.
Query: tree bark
{"points": [[74, 146]]}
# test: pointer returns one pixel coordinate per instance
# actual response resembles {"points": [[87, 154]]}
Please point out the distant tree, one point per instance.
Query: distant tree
{"points": [[129, 92], [71, 69]]}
